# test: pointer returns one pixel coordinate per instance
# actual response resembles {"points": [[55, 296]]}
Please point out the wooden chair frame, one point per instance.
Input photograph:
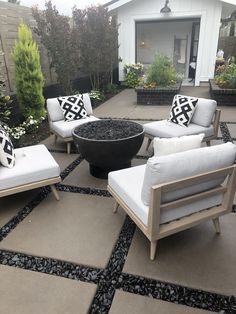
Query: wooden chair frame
{"points": [[207, 139], [154, 230], [21, 188]]}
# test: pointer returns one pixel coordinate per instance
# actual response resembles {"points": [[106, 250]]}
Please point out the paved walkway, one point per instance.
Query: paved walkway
{"points": [[76, 256], [124, 105]]}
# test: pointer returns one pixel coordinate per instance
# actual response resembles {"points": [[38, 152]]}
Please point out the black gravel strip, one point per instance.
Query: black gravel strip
{"points": [[51, 266], [71, 167], [177, 294], [106, 288], [83, 190], [225, 132], [24, 212]]}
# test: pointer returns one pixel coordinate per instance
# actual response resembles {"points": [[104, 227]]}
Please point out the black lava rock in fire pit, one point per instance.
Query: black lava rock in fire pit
{"points": [[108, 144]]}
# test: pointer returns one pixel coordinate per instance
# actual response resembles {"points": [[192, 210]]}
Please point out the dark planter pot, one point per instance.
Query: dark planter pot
{"points": [[107, 154], [223, 96], [157, 96]]}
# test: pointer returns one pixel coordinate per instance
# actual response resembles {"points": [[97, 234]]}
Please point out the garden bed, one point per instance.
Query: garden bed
{"points": [[157, 96], [223, 96]]}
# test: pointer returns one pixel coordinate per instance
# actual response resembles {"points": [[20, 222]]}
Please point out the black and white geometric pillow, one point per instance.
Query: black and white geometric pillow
{"points": [[182, 109], [7, 154], [73, 107]]}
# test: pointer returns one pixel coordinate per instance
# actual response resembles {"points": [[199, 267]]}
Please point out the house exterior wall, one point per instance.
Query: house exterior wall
{"points": [[209, 12]]}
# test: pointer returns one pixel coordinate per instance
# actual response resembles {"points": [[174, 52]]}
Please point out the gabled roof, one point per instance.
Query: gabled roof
{"points": [[114, 4]]}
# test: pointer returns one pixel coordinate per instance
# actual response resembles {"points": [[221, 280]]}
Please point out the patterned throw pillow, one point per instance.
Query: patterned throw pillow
{"points": [[7, 154], [182, 109], [73, 107]]}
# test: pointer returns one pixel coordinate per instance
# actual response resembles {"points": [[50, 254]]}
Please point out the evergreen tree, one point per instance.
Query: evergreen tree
{"points": [[28, 74]]}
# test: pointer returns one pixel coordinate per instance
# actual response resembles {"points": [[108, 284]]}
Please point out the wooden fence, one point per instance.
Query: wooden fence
{"points": [[11, 15]]}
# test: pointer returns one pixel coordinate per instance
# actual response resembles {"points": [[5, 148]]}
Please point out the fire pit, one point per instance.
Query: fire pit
{"points": [[108, 144]]}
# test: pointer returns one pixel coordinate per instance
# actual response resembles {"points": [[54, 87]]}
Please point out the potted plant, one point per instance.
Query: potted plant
{"points": [[160, 83], [223, 87]]}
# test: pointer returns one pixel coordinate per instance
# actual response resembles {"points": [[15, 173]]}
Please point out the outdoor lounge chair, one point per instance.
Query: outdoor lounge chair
{"points": [[177, 191], [61, 128], [205, 119], [34, 167]]}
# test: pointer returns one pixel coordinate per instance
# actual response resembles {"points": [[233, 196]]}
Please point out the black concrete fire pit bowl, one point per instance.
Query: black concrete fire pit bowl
{"points": [[108, 144]]}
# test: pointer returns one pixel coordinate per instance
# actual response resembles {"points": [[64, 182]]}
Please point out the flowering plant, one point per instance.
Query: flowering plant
{"points": [[133, 73]]}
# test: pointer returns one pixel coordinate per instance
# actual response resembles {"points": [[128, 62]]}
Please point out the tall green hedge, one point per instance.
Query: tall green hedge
{"points": [[28, 74]]}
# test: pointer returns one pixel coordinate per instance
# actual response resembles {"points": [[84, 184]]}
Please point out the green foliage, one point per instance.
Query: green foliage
{"points": [[28, 74], [111, 88], [97, 95], [161, 72], [55, 32], [95, 36], [133, 73], [227, 77]]}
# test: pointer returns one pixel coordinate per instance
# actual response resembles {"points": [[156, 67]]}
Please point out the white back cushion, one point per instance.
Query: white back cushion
{"points": [[55, 112], [166, 146], [204, 112], [185, 164]]}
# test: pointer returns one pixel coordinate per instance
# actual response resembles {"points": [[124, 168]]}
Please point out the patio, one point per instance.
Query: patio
{"points": [[76, 256]]}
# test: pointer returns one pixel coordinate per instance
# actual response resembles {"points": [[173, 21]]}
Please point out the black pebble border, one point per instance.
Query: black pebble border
{"points": [[107, 286], [83, 190], [177, 294], [51, 267], [112, 278], [225, 132]]}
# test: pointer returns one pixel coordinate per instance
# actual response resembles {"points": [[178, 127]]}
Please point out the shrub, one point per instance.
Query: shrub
{"points": [[227, 77], [28, 75], [133, 74], [55, 33], [161, 72]]}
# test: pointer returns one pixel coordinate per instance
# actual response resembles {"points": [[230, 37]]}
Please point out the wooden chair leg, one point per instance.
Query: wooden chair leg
{"points": [[148, 143], [216, 223], [55, 138], [68, 147], [54, 191], [153, 248], [208, 143], [115, 207]]}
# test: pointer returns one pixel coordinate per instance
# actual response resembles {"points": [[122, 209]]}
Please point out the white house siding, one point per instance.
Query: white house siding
{"points": [[209, 11]]}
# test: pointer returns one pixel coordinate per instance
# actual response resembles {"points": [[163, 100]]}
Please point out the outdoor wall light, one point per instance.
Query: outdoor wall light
{"points": [[166, 8]]}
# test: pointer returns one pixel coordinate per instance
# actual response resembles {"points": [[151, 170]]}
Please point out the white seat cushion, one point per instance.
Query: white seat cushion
{"points": [[127, 183], [166, 128], [65, 128], [33, 164]]}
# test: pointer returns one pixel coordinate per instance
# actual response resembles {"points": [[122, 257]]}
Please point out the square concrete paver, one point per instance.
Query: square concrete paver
{"points": [[81, 176], [63, 159], [10, 205], [127, 303], [27, 292], [197, 258], [79, 228]]}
